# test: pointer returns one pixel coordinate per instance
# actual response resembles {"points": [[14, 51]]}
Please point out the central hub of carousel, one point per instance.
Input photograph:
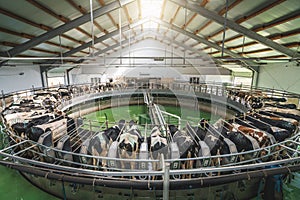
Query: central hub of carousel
{"points": [[246, 148]]}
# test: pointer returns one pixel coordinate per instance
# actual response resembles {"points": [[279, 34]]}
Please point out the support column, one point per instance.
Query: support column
{"points": [[166, 184], [255, 70]]}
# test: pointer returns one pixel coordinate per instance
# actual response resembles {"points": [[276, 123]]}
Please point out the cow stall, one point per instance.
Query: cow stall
{"points": [[46, 147]]}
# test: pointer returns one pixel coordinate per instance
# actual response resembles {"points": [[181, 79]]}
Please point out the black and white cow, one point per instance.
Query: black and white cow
{"points": [[23, 127], [187, 146], [100, 142], [214, 142], [157, 145], [129, 143], [206, 133], [98, 147], [60, 126]]}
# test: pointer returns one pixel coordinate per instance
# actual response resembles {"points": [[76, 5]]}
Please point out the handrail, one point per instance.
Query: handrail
{"points": [[242, 164], [137, 172]]}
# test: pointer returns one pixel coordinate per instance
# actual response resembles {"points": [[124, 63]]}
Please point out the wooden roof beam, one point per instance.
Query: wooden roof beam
{"points": [[59, 17], [202, 40], [102, 38], [24, 20], [129, 19], [66, 27], [272, 37], [202, 4], [162, 12], [221, 12], [41, 26], [102, 3], [140, 12], [11, 44], [245, 18], [238, 28], [84, 11], [25, 35], [173, 17]]}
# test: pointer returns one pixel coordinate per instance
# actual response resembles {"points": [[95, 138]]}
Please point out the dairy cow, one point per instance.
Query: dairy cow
{"points": [[157, 145], [129, 143], [60, 126], [100, 142], [187, 146], [260, 136]]}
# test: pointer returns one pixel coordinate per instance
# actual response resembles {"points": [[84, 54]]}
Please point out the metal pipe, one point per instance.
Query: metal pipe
{"points": [[92, 28], [166, 183], [158, 185], [170, 114], [120, 34], [224, 32]]}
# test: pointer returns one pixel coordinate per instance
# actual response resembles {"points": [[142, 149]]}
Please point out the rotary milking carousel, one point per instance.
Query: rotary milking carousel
{"points": [[252, 145]]}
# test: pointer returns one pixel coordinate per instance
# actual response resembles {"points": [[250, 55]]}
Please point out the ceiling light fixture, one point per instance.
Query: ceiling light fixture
{"points": [[17, 74]]}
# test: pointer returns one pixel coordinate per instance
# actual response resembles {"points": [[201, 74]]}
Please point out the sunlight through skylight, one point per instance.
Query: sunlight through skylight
{"points": [[151, 8]]}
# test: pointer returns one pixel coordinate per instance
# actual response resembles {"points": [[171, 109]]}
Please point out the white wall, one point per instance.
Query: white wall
{"points": [[111, 68], [10, 80], [56, 81], [282, 76]]}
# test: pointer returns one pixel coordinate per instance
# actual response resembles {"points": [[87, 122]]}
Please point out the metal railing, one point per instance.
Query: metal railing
{"points": [[290, 148], [31, 153]]}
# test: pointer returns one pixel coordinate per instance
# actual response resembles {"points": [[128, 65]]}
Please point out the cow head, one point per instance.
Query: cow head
{"points": [[173, 129], [204, 123], [157, 143], [34, 133], [200, 133], [112, 133], [131, 123], [121, 124], [158, 148], [127, 147]]}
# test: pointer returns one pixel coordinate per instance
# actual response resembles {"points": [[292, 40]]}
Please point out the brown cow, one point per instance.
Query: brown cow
{"points": [[260, 136]]}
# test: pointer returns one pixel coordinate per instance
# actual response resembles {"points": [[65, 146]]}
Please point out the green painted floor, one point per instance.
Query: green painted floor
{"points": [[14, 187], [139, 113]]}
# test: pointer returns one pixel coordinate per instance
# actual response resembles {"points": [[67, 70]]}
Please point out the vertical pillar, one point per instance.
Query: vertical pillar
{"points": [[166, 183], [3, 99]]}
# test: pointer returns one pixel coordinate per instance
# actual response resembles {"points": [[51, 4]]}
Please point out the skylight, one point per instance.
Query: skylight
{"points": [[151, 8]]}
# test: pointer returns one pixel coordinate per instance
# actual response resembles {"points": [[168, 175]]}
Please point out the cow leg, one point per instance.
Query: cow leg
{"points": [[95, 153], [132, 164], [183, 167], [103, 161], [153, 164], [189, 164], [120, 152], [122, 162]]}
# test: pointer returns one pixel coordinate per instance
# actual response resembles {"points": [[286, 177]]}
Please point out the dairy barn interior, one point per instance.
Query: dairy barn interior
{"points": [[149, 99]]}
